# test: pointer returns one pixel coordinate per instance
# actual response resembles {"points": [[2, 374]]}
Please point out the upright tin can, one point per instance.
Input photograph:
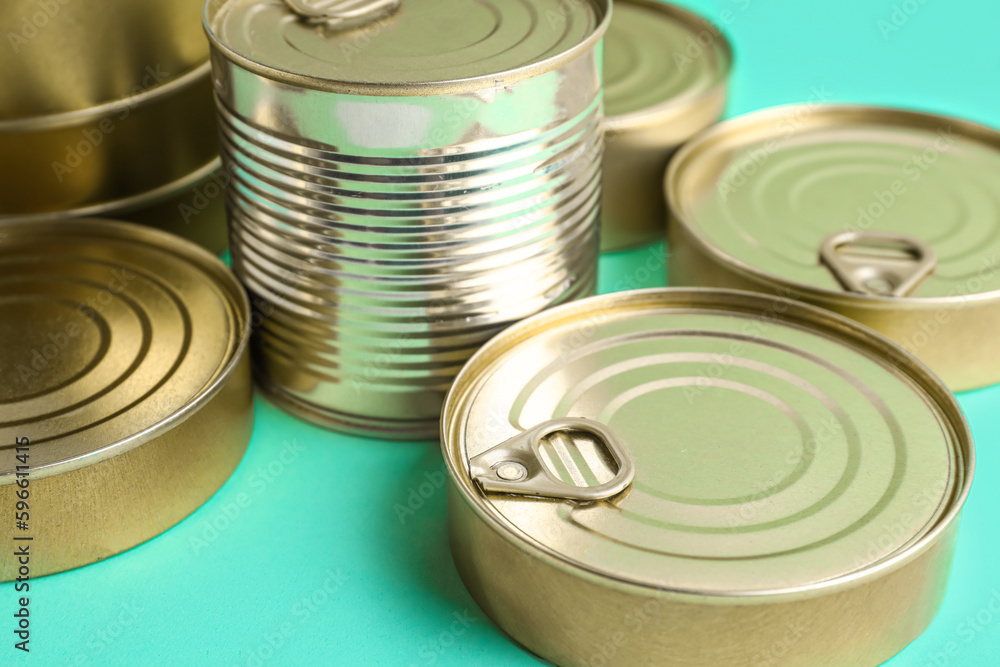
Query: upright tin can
{"points": [[407, 180], [125, 392], [700, 477], [884, 215], [666, 74]]}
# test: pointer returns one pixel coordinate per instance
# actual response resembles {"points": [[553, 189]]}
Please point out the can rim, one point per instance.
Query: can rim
{"points": [[126, 204], [846, 329], [729, 128], [69, 119], [408, 89], [214, 267], [685, 103]]}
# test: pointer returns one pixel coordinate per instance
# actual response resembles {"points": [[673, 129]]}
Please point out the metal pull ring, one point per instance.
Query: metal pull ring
{"points": [[878, 263], [516, 466], [337, 12]]}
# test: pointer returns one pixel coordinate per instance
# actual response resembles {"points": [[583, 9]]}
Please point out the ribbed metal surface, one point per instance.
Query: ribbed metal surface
{"points": [[378, 273]]}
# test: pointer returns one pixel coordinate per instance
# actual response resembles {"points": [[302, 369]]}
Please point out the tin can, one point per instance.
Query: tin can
{"points": [[126, 390], [115, 156], [406, 183], [64, 55], [882, 215], [703, 477], [666, 72]]}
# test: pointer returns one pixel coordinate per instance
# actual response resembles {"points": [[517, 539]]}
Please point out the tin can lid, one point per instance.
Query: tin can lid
{"points": [[660, 60], [404, 46], [710, 442], [110, 335], [882, 203]]}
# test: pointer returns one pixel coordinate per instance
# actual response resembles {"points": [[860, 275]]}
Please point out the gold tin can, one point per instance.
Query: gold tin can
{"points": [[703, 477], [666, 72], [194, 208], [407, 180], [883, 215], [119, 155], [126, 393], [64, 55]]}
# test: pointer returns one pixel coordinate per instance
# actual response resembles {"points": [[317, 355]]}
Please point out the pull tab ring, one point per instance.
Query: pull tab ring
{"points": [[343, 13], [515, 466], [878, 263]]}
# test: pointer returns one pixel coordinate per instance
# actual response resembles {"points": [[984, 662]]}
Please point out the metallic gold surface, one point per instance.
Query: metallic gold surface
{"points": [[70, 55], [123, 360], [196, 212], [193, 208], [791, 484], [753, 200], [384, 239], [103, 158], [665, 75], [422, 48]]}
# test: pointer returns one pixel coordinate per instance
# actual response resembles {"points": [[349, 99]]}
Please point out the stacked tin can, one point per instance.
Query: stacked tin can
{"points": [[127, 398], [110, 113], [407, 181]]}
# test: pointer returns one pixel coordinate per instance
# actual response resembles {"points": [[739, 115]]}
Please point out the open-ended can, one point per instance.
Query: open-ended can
{"points": [[125, 390], [703, 477], [407, 180], [883, 215], [666, 72]]}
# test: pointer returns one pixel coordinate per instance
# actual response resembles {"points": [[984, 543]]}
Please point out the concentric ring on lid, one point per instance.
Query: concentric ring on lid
{"points": [[657, 55], [109, 334], [486, 43]]}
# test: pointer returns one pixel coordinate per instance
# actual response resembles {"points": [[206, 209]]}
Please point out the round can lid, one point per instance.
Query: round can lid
{"points": [[110, 334], [415, 44], [658, 56], [879, 202], [711, 442]]}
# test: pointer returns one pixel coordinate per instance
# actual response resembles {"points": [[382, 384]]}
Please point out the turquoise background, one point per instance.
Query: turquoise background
{"points": [[310, 563]]}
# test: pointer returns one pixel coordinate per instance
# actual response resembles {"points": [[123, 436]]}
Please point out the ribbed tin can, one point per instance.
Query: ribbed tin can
{"points": [[403, 188]]}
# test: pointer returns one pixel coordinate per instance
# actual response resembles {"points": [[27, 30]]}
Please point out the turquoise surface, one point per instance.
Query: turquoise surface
{"points": [[325, 549]]}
